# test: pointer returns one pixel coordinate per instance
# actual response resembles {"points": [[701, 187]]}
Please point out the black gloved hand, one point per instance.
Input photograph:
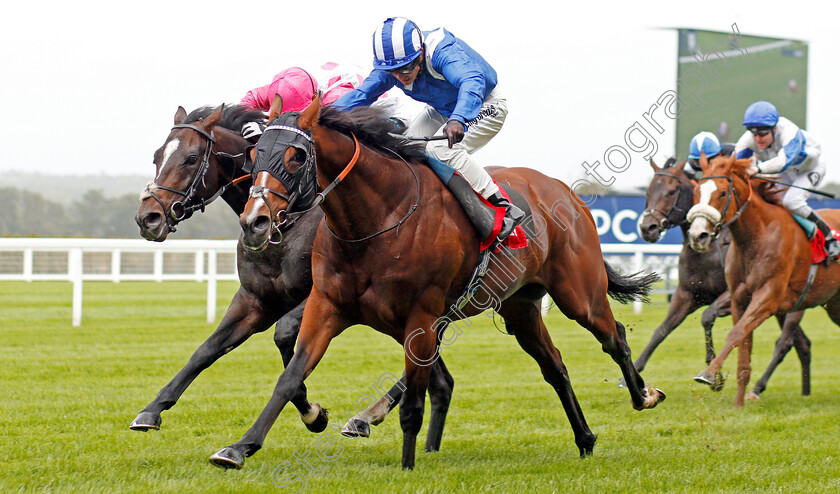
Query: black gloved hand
{"points": [[454, 132]]}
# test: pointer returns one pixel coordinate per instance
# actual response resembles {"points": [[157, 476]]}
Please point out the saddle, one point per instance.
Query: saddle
{"points": [[485, 218], [815, 237]]}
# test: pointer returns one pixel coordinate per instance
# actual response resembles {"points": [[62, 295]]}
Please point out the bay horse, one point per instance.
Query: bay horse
{"points": [[767, 268], [274, 280], [395, 251], [701, 276], [203, 158]]}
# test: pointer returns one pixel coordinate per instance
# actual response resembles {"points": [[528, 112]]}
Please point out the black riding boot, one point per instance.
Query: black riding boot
{"points": [[513, 215], [832, 246]]}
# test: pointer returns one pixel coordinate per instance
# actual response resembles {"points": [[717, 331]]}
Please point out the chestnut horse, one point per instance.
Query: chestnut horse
{"points": [[202, 159], [767, 268], [396, 250], [701, 276]]}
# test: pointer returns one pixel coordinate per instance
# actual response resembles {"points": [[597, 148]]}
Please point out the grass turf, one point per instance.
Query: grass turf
{"points": [[70, 393]]}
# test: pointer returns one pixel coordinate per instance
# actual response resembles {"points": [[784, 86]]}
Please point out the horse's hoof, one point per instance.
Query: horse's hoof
{"points": [[714, 381], [146, 421], [661, 395], [653, 397], [228, 458], [320, 422], [587, 445], [356, 428], [622, 383], [752, 396]]}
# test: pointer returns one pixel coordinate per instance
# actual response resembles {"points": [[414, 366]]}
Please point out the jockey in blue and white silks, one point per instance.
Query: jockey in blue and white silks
{"points": [[709, 144], [460, 89], [781, 148]]}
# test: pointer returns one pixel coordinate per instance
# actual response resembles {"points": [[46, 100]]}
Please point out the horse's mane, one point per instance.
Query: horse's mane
{"points": [[372, 127], [233, 116], [670, 162], [771, 193]]}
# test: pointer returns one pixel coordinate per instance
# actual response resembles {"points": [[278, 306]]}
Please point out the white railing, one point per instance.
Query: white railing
{"points": [[78, 260], [64, 259]]}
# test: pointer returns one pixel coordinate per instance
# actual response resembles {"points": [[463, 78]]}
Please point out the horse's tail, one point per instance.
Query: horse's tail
{"points": [[626, 288]]}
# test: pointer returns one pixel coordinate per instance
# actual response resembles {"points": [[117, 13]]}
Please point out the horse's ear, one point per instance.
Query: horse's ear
{"points": [[704, 163], [276, 107], [213, 118], [653, 165], [180, 115], [679, 168], [311, 114]]}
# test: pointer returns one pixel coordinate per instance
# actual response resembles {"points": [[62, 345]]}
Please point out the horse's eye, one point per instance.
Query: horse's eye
{"points": [[296, 161], [722, 194], [299, 157], [192, 159], [672, 192]]}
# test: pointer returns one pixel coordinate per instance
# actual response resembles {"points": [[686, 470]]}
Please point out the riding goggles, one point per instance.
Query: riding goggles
{"points": [[406, 69]]}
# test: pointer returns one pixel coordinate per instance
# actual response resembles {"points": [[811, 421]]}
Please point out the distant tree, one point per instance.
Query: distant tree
{"points": [[94, 215], [29, 214]]}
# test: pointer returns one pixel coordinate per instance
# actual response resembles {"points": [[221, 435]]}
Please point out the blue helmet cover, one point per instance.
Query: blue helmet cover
{"points": [[761, 114], [705, 142], [396, 43]]}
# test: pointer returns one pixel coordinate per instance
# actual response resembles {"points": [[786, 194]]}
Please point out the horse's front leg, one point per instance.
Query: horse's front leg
{"points": [[314, 417], [245, 317], [762, 306], [421, 351], [744, 368], [321, 323]]}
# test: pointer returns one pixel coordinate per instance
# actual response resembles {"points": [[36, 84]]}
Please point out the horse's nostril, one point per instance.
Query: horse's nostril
{"points": [[150, 220], [261, 224]]}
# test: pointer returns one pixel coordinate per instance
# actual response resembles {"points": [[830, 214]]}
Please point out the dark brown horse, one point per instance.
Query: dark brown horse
{"points": [[701, 276], [767, 267], [202, 159], [396, 250]]}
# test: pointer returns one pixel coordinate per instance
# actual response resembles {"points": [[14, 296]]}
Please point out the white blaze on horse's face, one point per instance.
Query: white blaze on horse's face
{"points": [[702, 216], [259, 202], [168, 151]]}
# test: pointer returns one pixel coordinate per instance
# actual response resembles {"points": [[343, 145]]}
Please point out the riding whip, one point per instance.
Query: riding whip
{"points": [[813, 191]]}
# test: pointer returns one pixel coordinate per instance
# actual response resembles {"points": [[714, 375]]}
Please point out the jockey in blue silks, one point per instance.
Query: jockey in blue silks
{"points": [[460, 87], [780, 147]]}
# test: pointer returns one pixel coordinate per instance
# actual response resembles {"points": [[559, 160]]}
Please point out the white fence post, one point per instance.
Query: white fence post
{"points": [[211, 285], [27, 264], [75, 270], [199, 265], [157, 268], [116, 265]]}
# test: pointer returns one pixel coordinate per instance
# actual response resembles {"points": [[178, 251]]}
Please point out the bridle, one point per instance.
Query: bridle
{"points": [[679, 211], [719, 223], [179, 210], [293, 181]]}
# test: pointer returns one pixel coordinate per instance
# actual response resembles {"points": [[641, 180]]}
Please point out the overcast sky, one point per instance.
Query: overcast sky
{"points": [[92, 87]]}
